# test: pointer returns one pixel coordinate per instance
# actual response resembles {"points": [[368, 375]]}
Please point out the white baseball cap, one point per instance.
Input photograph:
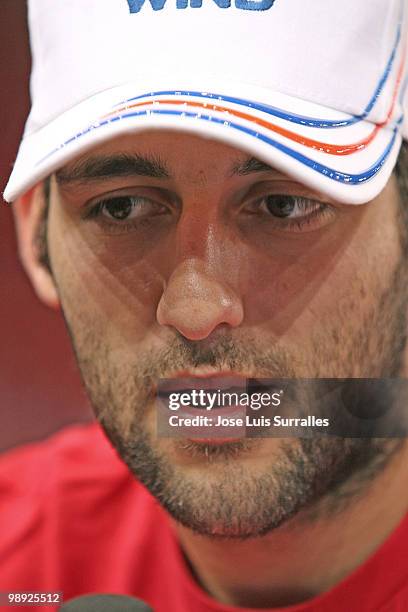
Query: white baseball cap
{"points": [[315, 88]]}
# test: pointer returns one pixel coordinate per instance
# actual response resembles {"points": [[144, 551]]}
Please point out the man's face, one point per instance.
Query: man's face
{"points": [[178, 256]]}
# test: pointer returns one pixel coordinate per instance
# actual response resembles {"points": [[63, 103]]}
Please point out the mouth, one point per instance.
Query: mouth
{"points": [[208, 407], [214, 381], [203, 378], [198, 385]]}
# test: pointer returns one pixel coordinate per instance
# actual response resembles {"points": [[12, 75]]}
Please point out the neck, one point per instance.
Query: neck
{"points": [[307, 555]]}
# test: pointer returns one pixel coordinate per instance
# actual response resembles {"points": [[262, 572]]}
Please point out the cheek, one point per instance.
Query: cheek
{"points": [[110, 289], [286, 289], [301, 290]]}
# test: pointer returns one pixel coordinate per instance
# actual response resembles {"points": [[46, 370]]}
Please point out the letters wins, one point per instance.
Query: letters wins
{"points": [[246, 5]]}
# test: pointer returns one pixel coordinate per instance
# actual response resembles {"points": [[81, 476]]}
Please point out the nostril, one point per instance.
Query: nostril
{"points": [[195, 314], [196, 319]]}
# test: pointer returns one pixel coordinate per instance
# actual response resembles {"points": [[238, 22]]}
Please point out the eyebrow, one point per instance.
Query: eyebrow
{"points": [[112, 166], [251, 166], [127, 165]]}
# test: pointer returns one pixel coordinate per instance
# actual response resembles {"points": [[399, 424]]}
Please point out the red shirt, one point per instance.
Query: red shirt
{"points": [[73, 519]]}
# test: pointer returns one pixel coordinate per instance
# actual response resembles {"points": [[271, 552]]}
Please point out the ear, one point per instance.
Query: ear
{"points": [[30, 213]]}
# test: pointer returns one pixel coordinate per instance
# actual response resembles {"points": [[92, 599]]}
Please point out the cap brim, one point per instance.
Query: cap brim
{"points": [[345, 157]]}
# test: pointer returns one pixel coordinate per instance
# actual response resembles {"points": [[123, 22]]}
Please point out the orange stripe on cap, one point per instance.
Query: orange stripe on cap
{"points": [[331, 149]]}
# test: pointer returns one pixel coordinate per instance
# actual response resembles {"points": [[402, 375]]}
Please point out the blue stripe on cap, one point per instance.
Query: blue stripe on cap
{"points": [[336, 175]]}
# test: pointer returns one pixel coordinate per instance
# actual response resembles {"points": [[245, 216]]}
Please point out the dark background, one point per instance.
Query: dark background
{"points": [[40, 389]]}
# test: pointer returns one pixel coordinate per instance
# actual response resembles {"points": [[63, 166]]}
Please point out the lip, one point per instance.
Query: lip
{"points": [[207, 379], [215, 380]]}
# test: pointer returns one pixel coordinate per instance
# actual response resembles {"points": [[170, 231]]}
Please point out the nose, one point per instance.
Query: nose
{"points": [[196, 301]]}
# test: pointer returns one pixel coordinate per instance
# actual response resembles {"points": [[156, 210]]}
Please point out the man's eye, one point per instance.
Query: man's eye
{"points": [[118, 208], [126, 208], [288, 207]]}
